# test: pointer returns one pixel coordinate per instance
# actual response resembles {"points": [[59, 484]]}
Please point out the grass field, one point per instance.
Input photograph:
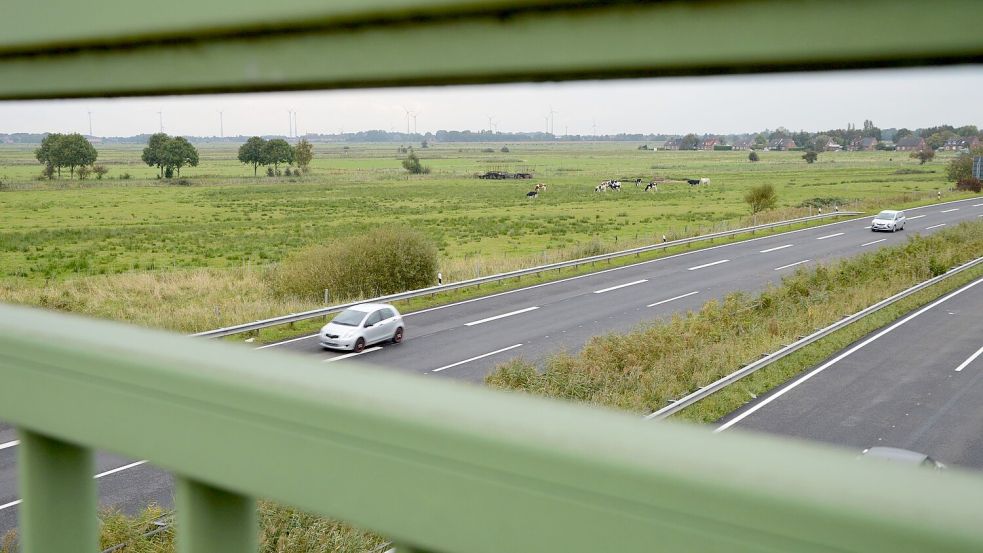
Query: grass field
{"points": [[223, 223]]}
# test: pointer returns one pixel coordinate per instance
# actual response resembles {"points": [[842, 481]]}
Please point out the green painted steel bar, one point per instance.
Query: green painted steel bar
{"points": [[211, 520], [58, 514], [461, 468], [497, 45]]}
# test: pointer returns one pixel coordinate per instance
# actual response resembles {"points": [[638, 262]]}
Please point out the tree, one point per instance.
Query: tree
{"points": [[412, 164], [923, 155], [46, 153], [811, 156], [961, 167], [178, 152], [252, 152], [821, 142], [153, 154], [73, 151], [303, 154], [277, 151], [761, 198], [689, 142], [753, 156]]}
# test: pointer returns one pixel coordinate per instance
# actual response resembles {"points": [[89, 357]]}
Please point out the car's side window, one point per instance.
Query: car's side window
{"points": [[374, 318], [388, 313], [901, 215]]}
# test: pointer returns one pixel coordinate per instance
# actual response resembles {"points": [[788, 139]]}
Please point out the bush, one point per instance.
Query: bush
{"points": [[83, 171], [810, 156], [970, 184], [168, 172], [99, 171], [412, 164], [761, 198], [48, 172], [505, 149], [923, 155], [270, 172], [753, 156], [125, 176], [488, 150], [383, 261]]}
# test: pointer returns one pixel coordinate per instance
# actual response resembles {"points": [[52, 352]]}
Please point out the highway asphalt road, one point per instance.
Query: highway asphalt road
{"points": [[916, 384], [467, 339]]}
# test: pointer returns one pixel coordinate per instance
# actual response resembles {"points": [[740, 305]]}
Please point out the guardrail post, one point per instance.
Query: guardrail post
{"points": [[211, 520], [58, 514]]}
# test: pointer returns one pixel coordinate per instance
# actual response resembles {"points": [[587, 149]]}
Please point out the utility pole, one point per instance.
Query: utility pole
{"points": [[221, 126], [90, 123]]}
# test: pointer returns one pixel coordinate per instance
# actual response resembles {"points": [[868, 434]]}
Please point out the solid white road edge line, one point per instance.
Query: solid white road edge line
{"points": [[601, 291], [347, 355], [776, 249], [287, 341], [502, 316], [476, 358], [948, 210], [672, 299], [840, 357], [9, 444], [915, 217], [966, 363], [831, 236], [100, 475], [792, 264], [874, 242], [934, 226], [708, 264]]}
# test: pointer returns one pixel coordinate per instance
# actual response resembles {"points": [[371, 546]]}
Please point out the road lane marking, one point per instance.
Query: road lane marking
{"points": [[601, 291], [948, 210], [970, 360], [353, 354], [792, 264], [708, 264], [831, 236], [934, 226], [100, 475], [754, 408], [672, 299], [502, 316], [977, 205], [9, 444], [776, 249], [868, 226], [286, 342], [476, 358], [874, 242], [915, 217], [119, 469]]}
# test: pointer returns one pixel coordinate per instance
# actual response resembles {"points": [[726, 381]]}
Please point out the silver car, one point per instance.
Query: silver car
{"points": [[888, 220], [363, 325]]}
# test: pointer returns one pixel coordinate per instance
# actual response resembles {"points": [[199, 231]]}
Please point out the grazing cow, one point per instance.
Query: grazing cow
{"points": [[652, 185], [541, 187], [704, 180], [693, 182], [615, 185], [532, 194], [603, 187], [638, 181]]}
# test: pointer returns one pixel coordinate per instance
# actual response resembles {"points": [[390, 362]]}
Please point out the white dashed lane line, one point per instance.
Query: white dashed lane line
{"points": [[934, 226], [502, 316], [601, 291], [489, 354], [874, 242], [98, 476], [915, 217], [9, 444], [286, 342], [792, 264], [708, 264], [831, 236], [966, 363], [776, 249], [949, 210], [672, 299], [348, 355]]}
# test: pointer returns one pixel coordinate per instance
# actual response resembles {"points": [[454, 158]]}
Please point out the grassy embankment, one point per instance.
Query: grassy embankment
{"points": [[645, 369], [190, 258]]}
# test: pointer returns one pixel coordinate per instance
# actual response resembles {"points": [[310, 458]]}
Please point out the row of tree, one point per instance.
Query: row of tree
{"points": [[257, 151], [65, 150], [169, 154]]}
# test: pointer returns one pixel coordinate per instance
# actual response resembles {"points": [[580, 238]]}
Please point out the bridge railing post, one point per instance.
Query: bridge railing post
{"points": [[211, 520], [58, 514]]}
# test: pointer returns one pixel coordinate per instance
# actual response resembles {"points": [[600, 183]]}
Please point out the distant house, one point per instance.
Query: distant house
{"points": [[865, 144], [910, 144], [672, 144], [781, 144], [709, 143], [960, 143], [744, 144]]}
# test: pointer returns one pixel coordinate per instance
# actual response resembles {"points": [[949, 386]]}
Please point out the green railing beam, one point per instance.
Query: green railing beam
{"points": [[58, 514], [461, 42], [211, 520], [450, 467]]}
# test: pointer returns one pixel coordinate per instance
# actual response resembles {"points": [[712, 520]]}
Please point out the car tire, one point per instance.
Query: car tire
{"points": [[359, 345], [398, 335]]}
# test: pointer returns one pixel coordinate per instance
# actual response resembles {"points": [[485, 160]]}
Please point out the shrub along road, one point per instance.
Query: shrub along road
{"points": [[465, 340]]}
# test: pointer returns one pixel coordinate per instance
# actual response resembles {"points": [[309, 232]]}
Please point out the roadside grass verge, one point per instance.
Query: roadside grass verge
{"points": [[645, 369]]}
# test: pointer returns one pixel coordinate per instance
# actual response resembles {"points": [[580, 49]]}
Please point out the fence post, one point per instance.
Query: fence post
{"points": [[58, 514], [211, 520]]}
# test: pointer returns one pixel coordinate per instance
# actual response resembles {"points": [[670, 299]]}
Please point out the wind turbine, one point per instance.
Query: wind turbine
{"points": [[90, 123], [221, 126], [552, 120], [414, 114], [408, 112], [290, 123]]}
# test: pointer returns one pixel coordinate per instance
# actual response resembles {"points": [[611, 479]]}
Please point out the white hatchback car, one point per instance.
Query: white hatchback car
{"points": [[363, 325], [888, 220]]}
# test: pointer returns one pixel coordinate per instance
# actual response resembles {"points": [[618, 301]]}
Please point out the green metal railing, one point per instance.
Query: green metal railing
{"points": [[460, 468]]}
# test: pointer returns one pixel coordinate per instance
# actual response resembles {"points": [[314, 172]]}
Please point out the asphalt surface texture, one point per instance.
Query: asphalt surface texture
{"points": [[916, 384], [466, 340]]}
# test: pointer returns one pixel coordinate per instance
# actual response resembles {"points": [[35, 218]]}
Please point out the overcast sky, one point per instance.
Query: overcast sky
{"points": [[810, 101]]}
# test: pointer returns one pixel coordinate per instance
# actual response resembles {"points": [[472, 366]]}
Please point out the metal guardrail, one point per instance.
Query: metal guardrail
{"points": [[770, 358], [314, 313]]}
